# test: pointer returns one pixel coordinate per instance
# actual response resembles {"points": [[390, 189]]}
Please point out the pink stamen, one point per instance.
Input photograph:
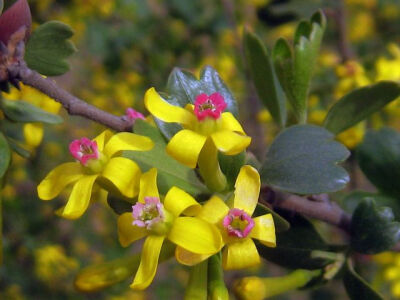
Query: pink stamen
{"points": [[209, 106], [149, 213], [238, 223], [133, 114], [84, 150]]}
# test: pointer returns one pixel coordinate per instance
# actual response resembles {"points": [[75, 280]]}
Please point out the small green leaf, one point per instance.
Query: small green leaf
{"points": [[18, 148], [21, 111], [183, 86], [5, 155], [49, 47], [230, 166], [300, 247], [372, 228], [378, 157], [359, 104], [170, 172], [265, 80], [303, 160], [280, 223], [357, 288]]}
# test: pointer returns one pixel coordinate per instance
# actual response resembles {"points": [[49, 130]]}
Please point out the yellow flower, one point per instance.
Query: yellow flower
{"points": [[206, 130], [236, 225], [158, 221], [97, 162]]}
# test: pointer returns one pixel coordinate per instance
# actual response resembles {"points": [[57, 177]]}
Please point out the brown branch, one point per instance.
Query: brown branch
{"points": [[326, 211], [72, 104]]}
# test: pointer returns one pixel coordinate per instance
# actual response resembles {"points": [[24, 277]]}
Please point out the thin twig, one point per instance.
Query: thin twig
{"points": [[72, 104]]}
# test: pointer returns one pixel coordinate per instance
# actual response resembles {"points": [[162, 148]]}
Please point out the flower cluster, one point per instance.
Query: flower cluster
{"points": [[176, 218]]}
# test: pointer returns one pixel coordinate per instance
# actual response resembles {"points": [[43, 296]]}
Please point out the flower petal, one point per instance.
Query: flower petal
{"points": [[213, 211], [80, 197], [264, 230], [247, 189], [229, 122], [102, 139], [128, 233], [178, 201], [185, 147], [195, 235], [239, 255], [229, 142], [188, 258], [127, 141], [148, 185], [124, 174], [148, 262], [58, 179], [33, 134], [166, 112]]}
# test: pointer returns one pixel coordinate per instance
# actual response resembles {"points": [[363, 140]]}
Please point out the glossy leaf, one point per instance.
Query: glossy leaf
{"points": [[13, 18], [49, 47], [170, 172], [373, 229], [303, 160], [356, 287], [265, 80], [377, 155], [359, 104], [21, 111], [5, 155], [300, 247]]}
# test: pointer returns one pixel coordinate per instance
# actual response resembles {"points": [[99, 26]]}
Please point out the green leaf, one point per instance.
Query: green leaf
{"points": [[295, 71], [49, 47], [21, 111], [356, 287], [372, 228], [170, 172], [265, 80], [5, 155], [280, 223], [303, 160], [300, 247], [18, 148], [359, 104], [230, 166], [379, 158], [1, 6], [183, 86], [119, 206]]}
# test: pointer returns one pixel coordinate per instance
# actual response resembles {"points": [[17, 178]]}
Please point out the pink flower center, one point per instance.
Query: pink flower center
{"points": [[133, 114], [209, 106], [238, 223], [84, 150], [148, 214]]}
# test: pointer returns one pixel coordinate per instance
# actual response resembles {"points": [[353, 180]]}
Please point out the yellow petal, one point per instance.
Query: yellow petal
{"points": [[229, 142], [123, 174], [228, 122], [247, 189], [165, 111], [58, 179], [80, 197], [264, 230], [148, 262], [128, 233], [185, 147], [178, 201], [213, 211], [148, 185], [127, 141], [102, 139], [33, 134], [240, 255], [188, 258], [195, 235]]}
